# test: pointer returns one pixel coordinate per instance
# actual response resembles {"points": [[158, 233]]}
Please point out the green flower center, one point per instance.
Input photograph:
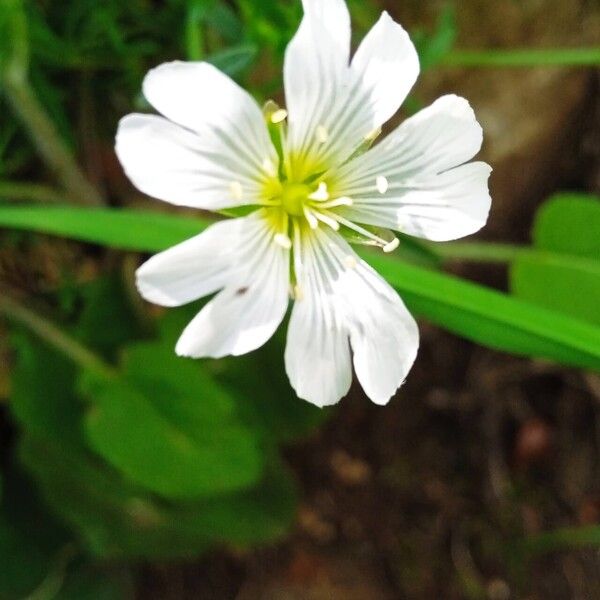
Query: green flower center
{"points": [[293, 198]]}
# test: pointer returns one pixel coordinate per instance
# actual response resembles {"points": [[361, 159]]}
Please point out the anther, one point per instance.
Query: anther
{"points": [[321, 194], [279, 115], [322, 134], [298, 293], [236, 189], [391, 246], [382, 184], [282, 240]]}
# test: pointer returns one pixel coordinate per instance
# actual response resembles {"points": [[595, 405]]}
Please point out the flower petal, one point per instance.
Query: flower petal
{"points": [[344, 299], [316, 69], [440, 208], [428, 190], [246, 313], [388, 65], [195, 268], [179, 166], [334, 106], [317, 353], [199, 97]]}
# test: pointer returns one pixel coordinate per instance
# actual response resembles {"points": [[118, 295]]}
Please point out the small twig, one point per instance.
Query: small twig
{"points": [[49, 143], [14, 68], [51, 333], [30, 192]]}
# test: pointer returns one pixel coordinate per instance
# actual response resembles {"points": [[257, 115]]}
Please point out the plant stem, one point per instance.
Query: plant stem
{"points": [[16, 190], [550, 57], [55, 336], [49, 143]]}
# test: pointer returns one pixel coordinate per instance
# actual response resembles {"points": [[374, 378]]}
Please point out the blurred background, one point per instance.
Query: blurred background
{"points": [[209, 479]]}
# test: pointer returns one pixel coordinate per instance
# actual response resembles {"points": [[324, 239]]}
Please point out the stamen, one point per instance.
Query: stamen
{"points": [[236, 189], [379, 241], [327, 220], [282, 240], [341, 201], [321, 194], [279, 115], [382, 184], [298, 293], [310, 217], [322, 134], [391, 246]]}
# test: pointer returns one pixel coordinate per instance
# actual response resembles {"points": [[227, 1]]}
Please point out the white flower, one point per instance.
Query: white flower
{"points": [[308, 181]]}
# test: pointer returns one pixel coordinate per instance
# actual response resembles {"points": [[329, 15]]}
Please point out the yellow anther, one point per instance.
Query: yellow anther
{"points": [[382, 184], [279, 115], [298, 293]]}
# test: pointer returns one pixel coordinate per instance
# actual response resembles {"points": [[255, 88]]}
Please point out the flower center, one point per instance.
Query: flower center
{"points": [[293, 198]]}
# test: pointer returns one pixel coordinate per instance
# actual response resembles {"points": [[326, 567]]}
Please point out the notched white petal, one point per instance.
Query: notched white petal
{"points": [[346, 304], [388, 65]]}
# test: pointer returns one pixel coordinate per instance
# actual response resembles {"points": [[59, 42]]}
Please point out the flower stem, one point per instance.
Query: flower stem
{"points": [[55, 336], [485, 252], [543, 57]]}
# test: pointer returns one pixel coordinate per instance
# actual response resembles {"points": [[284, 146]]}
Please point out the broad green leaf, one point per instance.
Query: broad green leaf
{"points": [[106, 320], [42, 399], [475, 312], [564, 273], [569, 223], [256, 382], [167, 430], [116, 519]]}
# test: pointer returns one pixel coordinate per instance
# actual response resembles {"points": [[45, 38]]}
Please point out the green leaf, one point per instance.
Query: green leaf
{"points": [[42, 398], [125, 229], [169, 428], [106, 320], [235, 59], [491, 318], [569, 223], [117, 519], [473, 311], [564, 273]]}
